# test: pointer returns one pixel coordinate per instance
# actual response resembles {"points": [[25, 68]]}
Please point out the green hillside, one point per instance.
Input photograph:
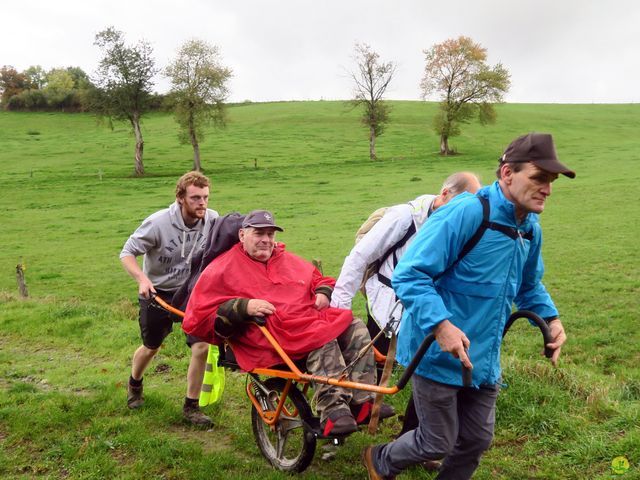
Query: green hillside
{"points": [[69, 200]]}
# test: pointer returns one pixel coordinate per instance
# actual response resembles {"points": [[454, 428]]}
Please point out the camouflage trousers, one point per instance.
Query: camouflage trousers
{"points": [[330, 361]]}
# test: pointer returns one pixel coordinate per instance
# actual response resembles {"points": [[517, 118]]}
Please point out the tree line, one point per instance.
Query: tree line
{"points": [[121, 89], [456, 73], [34, 89]]}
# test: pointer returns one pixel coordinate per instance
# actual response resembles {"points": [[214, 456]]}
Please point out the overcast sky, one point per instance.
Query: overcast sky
{"points": [[566, 51]]}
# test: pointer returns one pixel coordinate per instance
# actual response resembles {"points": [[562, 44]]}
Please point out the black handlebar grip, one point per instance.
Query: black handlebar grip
{"points": [[540, 323]]}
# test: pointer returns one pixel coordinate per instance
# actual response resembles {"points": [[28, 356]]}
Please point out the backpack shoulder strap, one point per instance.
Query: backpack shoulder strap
{"points": [[400, 243], [392, 251], [510, 232], [473, 241]]}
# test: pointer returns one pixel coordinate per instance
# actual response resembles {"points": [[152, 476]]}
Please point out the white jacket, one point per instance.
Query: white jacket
{"points": [[388, 231]]}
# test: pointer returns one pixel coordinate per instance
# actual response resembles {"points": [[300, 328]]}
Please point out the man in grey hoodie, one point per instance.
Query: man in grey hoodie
{"points": [[168, 240]]}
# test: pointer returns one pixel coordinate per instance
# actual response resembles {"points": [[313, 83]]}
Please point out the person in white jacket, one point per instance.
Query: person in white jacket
{"points": [[385, 243], [379, 242]]}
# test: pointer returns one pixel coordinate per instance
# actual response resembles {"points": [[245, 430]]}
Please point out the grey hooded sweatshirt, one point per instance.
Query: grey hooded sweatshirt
{"points": [[168, 246]]}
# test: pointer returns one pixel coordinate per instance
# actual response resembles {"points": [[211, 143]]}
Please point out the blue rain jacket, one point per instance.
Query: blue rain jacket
{"points": [[477, 294]]}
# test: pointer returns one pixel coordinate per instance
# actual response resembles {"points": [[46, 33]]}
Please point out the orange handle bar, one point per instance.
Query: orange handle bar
{"points": [[156, 298]]}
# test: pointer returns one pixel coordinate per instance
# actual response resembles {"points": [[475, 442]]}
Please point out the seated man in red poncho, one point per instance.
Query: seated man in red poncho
{"points": [[258, 278]]}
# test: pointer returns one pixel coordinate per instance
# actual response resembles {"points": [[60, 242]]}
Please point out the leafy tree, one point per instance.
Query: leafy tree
{"points": [[82, 88], [36, 77], [370, 83], [198, 90], [11, 83], [456, 70], [59, 88], [80, 78], [124, 81], [32, 100]]}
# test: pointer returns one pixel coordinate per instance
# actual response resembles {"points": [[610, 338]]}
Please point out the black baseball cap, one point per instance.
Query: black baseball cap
{"points": [[537, 148], [260, 219]]}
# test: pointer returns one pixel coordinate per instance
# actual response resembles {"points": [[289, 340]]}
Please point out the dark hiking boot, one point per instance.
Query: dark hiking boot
{"points": [[135, 399], [339, 423], [367, 461], [195, 416], [431, 465], [362, 412]]}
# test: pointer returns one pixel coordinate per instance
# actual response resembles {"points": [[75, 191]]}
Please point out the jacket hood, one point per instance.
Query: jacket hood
{"points": [[175, 214], [421, 208]]}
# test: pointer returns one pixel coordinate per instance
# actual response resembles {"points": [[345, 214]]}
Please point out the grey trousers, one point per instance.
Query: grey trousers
{"points": [[454, 423], [331, 359]]}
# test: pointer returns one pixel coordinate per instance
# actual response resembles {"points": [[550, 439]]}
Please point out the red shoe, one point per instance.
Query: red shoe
{"points": [[339, 423]]}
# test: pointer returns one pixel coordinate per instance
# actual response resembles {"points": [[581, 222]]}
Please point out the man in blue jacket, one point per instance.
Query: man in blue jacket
{"points": [[466, 302]]}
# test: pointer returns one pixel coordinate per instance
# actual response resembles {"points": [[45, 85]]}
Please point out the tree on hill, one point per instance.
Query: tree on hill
{"points": [[11, 83], [198, 91], [36, 77], [124, 81], [59, 87], [370, 84], [456, 70], [65, 89]]}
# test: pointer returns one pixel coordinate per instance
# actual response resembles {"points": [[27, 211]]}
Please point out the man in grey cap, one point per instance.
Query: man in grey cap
{"points": [[258, 278], [465, 296]]}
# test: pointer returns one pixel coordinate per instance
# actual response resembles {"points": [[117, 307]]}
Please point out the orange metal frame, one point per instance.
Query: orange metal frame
{"points": [[293, 375]]}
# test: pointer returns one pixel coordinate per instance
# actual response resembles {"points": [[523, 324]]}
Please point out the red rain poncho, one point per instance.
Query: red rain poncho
{"points": [[288, 282]]}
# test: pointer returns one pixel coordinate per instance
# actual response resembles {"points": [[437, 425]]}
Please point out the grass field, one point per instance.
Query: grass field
{"points": [[69, 201]]}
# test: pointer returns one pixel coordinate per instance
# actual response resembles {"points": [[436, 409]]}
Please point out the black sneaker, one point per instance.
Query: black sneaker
{"points": [[135, 399], [194, 416]]}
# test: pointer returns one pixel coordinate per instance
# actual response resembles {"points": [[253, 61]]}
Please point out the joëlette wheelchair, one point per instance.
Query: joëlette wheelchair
{"points": [[284, 425]]}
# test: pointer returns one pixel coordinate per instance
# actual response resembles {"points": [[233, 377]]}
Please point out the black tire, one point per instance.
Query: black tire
{"points": [[289, 447]]}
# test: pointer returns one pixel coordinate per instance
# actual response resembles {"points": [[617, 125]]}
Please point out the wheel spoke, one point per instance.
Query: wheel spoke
{"points": [[288, 424], [285, 444], [281, 443]]}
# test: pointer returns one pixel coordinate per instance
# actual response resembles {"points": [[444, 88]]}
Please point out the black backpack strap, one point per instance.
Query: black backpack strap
{"points": [[384, 280], [392, 251], [473, 241], [510, 232]]}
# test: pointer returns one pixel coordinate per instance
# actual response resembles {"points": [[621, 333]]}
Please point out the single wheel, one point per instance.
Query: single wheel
{"points": [[288, 445]]}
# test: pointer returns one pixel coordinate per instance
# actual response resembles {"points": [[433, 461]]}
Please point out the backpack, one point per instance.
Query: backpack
{"points": [[370, 222]]}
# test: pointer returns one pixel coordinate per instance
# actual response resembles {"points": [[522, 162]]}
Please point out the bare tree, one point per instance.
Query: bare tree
{"points": [[199, 89], [124, 81], [456, 70], [370, 83]]}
